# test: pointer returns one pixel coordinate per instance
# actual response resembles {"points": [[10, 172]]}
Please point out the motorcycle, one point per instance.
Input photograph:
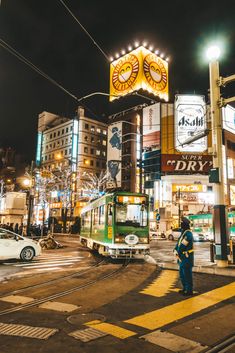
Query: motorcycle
{"points": [[49, 242]]}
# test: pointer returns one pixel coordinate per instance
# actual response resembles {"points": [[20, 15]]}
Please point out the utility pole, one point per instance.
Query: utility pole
{"points": [[220, 218]]}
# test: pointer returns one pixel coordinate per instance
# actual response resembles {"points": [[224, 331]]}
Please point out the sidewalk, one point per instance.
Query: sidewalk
{"points": [[161, 252]]}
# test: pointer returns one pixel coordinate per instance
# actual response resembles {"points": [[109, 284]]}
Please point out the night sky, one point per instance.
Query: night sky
{"points": [[45, 33]]}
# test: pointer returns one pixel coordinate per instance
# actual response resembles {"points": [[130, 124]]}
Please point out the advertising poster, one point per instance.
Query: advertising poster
{"points": [[114, 156], [151, 126], [190, 120]]}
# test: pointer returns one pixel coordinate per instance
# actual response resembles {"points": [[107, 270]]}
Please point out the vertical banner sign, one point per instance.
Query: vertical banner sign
{"points": [[190, 120], [228, 116], [151, 125], [114, 157], [139, 69]]}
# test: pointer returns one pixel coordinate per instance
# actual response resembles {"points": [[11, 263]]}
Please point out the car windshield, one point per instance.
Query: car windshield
{"points": [[131, 215], [5, 234]]}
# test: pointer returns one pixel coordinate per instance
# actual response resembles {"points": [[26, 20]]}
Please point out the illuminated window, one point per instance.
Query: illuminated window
{"points": [[98, 152], [98, 130], [92, 128], [104, 142], [92, 139], [86, 161], [104, 132], [85, 149]]}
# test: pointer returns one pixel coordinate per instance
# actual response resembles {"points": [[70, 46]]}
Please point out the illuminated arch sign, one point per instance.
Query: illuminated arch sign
{"points": [[139, 69]]}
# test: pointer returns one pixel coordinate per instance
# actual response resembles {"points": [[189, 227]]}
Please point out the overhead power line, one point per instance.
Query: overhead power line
{"points": [[84, 29], [23, 59]]}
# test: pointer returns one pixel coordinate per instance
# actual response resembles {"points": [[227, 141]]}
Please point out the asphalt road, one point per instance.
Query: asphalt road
{"points": [[137, 309]]}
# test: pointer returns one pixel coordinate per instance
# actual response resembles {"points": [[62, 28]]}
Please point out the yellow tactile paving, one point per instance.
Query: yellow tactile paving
{"points": [[162, 285], [110, 329], [161, 317]]}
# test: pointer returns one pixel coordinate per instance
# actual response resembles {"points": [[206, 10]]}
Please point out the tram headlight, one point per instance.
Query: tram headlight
{"points": [[119, 238], [144, 240]]}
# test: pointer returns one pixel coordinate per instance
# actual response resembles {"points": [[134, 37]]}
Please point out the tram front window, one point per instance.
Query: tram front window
{"points": [[131, 215]]}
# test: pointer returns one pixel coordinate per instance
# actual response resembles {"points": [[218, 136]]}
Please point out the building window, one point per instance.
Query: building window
{"points": [[62, 132], [70, 150], [103, 153], [92, 139], [92, 128], [104, 142], [103, 164], [86, 161], [86, 138], [54, 145], [92, 150], [71, 128], [98, 130], [97, 164], [58, 133], [65, 152], [86, 126], [54, 134], [98, 152], [50, 136], [67, 129], [85, 149], [91, 163], [104, 132]]}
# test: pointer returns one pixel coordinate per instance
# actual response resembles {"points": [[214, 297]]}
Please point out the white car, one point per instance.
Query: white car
{"points": [[14, 246], [174, 234]]}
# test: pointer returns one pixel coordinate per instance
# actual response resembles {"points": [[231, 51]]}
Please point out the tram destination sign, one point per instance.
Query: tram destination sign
{"points": [[190, 163]]}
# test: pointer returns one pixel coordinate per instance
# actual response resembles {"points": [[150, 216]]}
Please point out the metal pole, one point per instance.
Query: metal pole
{"points": [[220, 227]]}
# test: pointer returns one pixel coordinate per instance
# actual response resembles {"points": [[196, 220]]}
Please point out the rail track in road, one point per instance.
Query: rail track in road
{"points": [[63, 293], [54, 280], [224, 346]]}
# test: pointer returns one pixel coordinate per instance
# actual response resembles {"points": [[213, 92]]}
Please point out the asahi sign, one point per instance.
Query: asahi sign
{"points": [[186, 163], [190, 120]]}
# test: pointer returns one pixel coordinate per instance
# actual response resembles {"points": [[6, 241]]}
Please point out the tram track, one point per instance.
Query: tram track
{"points": [[57, 295], [54, 280], [224, 346]]}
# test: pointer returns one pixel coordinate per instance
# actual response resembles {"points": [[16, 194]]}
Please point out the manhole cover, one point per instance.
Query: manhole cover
{"points": [[80, 319]]}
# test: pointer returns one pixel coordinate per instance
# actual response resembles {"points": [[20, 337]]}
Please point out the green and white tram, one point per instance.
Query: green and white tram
{"points": [[117, 225]]}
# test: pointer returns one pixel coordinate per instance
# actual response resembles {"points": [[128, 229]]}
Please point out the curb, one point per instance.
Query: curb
{"points": [[230, 272]]}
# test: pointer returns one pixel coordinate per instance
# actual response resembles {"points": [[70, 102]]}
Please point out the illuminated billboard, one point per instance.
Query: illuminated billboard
{"points": [[151, 125], [139, 69], [228, 114], [190, 120], [114, 156]]}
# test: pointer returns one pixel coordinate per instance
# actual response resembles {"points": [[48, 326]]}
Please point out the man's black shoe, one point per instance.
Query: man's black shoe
{"points": [[181, 291], [188, 294]]}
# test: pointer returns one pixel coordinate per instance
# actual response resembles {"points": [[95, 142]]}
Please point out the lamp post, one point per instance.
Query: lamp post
{"points": [[220, 227]]}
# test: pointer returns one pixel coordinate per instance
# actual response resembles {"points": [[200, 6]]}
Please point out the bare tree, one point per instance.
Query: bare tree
{"points": [[94, 184]]}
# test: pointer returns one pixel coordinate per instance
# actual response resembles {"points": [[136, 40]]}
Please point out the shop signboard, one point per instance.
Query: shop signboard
{"points": [[114, 155], [228, 116], [190, 120], [189, 187], [189, 163], [151, 125], [139, 69]]}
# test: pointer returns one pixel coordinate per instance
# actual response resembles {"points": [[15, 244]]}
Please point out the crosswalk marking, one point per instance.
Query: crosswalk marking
{"points": [[162, 285], [47, 262], [161, 317], [111, 329]]}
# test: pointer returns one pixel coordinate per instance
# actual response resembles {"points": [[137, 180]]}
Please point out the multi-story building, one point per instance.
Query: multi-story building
{"points": [[78, 145]]}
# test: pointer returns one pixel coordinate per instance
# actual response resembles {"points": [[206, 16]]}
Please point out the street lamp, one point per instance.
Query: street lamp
{"points": [[220, 211]]}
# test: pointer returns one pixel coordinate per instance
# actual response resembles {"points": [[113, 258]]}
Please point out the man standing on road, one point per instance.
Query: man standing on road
{"points": [[184, 253]]}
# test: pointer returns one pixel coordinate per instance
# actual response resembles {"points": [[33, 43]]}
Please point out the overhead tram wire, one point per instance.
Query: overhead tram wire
{"points": [[23, 59]]}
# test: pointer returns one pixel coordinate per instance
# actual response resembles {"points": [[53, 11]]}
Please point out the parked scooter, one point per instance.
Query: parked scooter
{"points": [[49, 242]]}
